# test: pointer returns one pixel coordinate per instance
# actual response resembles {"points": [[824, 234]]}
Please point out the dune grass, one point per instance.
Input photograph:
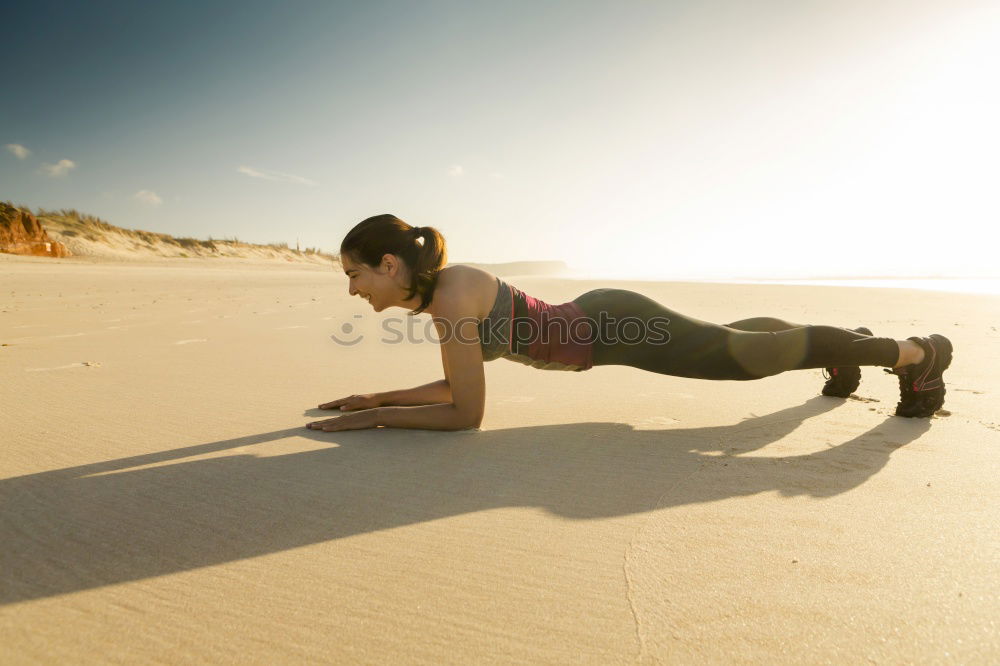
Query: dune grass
{"points": [[73, 223]]}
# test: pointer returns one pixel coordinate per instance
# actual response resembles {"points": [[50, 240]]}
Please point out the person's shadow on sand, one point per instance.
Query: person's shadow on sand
{"points": [[93, 525]]}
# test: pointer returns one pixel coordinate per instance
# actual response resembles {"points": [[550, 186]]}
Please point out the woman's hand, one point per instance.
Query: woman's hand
{"points": [[367, 418], [353, 402]]}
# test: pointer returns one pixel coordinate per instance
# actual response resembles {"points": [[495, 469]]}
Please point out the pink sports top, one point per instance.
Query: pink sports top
{"points": [[526, 330]]}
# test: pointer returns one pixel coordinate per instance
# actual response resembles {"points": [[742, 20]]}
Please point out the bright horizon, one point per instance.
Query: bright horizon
{"points": [[633, 140]]}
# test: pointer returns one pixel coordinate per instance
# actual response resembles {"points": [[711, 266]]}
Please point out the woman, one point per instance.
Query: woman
{"points": [[479, 317]]}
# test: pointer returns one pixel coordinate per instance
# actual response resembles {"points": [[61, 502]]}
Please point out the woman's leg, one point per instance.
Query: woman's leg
{"points": [[841, 381], [700, 349]]}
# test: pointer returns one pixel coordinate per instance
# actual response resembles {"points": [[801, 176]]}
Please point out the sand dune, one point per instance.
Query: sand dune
{"points": [[161, 499], [91, 239]]}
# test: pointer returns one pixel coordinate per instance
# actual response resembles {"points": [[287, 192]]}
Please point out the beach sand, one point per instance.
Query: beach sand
{"points": [[162, 501]]}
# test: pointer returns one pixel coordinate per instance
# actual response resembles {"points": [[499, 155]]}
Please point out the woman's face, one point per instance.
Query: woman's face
{"points": [[377, 286]]}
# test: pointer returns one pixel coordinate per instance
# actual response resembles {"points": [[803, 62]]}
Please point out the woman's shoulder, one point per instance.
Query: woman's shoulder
{"points": [[467, 287], [464, 273]]}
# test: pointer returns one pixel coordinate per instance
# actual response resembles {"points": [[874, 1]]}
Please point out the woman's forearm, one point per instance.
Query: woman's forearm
{"points": [[429, 417], [428, 394]]}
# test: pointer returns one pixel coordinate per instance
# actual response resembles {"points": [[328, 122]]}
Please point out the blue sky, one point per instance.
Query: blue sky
{"points": [[634, 139]]}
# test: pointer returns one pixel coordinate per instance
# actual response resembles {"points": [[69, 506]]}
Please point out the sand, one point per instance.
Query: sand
{"points": [[163, 502]]}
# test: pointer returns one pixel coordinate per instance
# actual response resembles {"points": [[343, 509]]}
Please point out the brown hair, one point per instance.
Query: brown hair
{"points": [[370, 239]]}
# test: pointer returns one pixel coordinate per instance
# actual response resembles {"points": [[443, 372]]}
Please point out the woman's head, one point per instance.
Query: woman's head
{"points": [[387, 260]]}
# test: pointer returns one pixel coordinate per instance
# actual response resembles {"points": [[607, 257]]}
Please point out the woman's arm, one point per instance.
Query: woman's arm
{"points": [[427, 394], [462, 359], [445, 416]]}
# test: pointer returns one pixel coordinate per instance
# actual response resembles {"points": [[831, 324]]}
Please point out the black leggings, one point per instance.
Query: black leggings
{"points": [[674, 344]]}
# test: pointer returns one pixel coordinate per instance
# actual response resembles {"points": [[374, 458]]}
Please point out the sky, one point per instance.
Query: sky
{"points": [[670, 139]]}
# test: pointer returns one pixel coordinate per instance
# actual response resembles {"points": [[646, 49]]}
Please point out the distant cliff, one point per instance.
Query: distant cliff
{"points": [[21, 233]]}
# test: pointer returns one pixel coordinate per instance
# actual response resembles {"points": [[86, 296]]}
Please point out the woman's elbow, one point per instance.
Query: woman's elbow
{"points": [[469, 421], [472, 424]]}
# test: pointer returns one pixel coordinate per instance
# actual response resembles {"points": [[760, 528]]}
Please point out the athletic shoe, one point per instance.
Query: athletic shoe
{"points": [[921, 385], [842, 382]]}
